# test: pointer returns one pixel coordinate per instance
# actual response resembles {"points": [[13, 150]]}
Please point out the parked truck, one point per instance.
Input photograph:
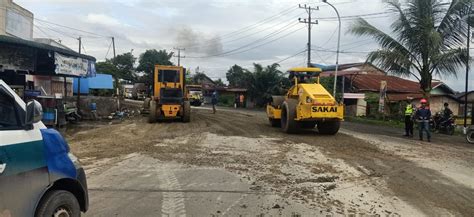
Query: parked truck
{"points": [[169, 99], [195, 95], [306, 105]]}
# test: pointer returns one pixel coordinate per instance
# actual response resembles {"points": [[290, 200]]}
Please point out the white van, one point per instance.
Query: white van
{"points": [[38, 174]]}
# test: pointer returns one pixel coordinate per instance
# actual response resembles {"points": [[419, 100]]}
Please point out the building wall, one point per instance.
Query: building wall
{"points": [[15, 20], [437, 104], [361, 107]]}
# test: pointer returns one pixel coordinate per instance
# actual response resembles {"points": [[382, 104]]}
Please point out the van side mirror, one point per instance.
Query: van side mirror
{"points": [[34, 114]]}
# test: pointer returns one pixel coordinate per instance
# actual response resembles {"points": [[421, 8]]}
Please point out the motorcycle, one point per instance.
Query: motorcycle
{"points": [[440, 124], [72, 115], [470, 135]]}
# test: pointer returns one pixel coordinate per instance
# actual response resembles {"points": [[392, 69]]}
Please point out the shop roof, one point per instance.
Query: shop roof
{"points": [[21, 42]]}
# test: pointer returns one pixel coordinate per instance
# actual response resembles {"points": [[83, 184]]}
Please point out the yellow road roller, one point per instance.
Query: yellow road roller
{"points": [[306, 105]]}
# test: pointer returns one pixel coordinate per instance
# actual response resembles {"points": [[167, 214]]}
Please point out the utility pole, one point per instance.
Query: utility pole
{"points": [[113, 45], [80, 44], [179, 54], [310, 22], [78, 80], [467, 68]]}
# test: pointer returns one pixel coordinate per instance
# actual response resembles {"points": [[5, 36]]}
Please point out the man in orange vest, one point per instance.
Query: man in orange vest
{"points": [[242, 98]]}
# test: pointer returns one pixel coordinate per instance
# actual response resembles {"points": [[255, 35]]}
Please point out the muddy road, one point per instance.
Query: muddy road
{"points": [[233, 163]]}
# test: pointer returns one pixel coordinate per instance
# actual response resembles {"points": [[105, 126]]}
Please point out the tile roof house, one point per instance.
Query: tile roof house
{"points": [[362, 78]]}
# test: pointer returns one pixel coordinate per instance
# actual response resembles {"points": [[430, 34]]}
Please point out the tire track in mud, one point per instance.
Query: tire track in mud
{"points": [[421, 187], [173, 203]]}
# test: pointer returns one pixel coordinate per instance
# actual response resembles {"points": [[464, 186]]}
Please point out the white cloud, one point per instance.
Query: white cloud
{"points": [[102, 19]]}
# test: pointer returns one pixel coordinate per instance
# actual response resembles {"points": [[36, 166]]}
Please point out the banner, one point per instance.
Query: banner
{"points": [[383, 94], [70, 66]]}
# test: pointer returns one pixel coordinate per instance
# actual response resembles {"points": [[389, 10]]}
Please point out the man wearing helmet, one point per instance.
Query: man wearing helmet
{"points": [[423, 116]]}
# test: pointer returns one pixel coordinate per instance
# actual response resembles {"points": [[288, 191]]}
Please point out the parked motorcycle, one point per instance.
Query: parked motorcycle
{"points": [[441, 125], [470, 135], [72, 115]]}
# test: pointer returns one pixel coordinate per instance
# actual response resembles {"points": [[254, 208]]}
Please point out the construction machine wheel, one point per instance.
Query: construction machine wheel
{"points": [[186, 112], [277, 101], [274, 122], [288, 115], [329, 127], [152, 115], [308, 125], [146, 105]]}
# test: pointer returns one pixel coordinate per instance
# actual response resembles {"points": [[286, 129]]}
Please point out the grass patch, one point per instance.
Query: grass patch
{"points": [[372, 121]]}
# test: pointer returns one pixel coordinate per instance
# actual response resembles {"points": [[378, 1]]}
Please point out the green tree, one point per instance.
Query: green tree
{"points": [[124, 64], [198, 77], [120, 67], [265, 82], [107, 67], [148, 60], [238, 76], [219, 82], [427, 39]]}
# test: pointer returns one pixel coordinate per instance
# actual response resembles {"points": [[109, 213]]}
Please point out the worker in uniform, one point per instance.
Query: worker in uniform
{"points": [[409, 112], [423, 117]]}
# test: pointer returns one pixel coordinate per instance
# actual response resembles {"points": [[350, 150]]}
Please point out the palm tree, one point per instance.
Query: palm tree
{"points": [[427, 39]]}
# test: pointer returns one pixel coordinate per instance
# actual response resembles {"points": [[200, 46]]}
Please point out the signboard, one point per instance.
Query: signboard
{"points": [[70, 66], [383, 94], [19, 25]]}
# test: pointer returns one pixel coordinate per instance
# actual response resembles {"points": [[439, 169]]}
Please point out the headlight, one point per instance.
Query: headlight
{"points": [[309, 100], [73, 158]]}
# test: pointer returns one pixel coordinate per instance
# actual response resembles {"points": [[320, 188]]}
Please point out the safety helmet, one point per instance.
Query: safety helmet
{"points": [[423, 101]]}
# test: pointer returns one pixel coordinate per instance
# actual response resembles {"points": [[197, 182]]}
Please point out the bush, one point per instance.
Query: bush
{"points": [[226, 100]]}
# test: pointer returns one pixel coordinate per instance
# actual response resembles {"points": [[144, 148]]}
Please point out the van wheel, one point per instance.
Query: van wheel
{"points": [[58, 203], [288, 115], [329, 127]]}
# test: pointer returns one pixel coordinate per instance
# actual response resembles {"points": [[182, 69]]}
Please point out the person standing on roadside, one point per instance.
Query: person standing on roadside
{"points": [[409, 112], [214, 101], [236, 101], [241, 100], [423, 116]]}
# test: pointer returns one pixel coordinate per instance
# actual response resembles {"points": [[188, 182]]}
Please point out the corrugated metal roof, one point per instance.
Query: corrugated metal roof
{"points": [[21, 42], [394, 84]]}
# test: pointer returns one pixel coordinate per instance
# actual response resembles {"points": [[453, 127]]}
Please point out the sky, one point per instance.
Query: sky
{"points": [[216, 34]]}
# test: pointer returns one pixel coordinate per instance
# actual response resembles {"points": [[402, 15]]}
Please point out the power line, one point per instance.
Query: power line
{"points": [[110, 45], [244, 36], [253, 26], [296, 54], [358, 15], [282, 29], [67, 27], [260, 45]]}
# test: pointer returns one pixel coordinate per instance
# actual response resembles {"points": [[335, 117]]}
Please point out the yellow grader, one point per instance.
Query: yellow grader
{"points": [[169, 99], [306, 105]]}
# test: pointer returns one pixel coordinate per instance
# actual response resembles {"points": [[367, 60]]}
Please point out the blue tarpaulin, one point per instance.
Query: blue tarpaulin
{"points": [[100, 81]]}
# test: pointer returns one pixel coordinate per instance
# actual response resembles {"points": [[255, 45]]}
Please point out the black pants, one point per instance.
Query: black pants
{"points": [[408, 126]]}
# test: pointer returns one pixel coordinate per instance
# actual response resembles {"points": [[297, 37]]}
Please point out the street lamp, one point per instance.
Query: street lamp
{"points": [[337, 50]]}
